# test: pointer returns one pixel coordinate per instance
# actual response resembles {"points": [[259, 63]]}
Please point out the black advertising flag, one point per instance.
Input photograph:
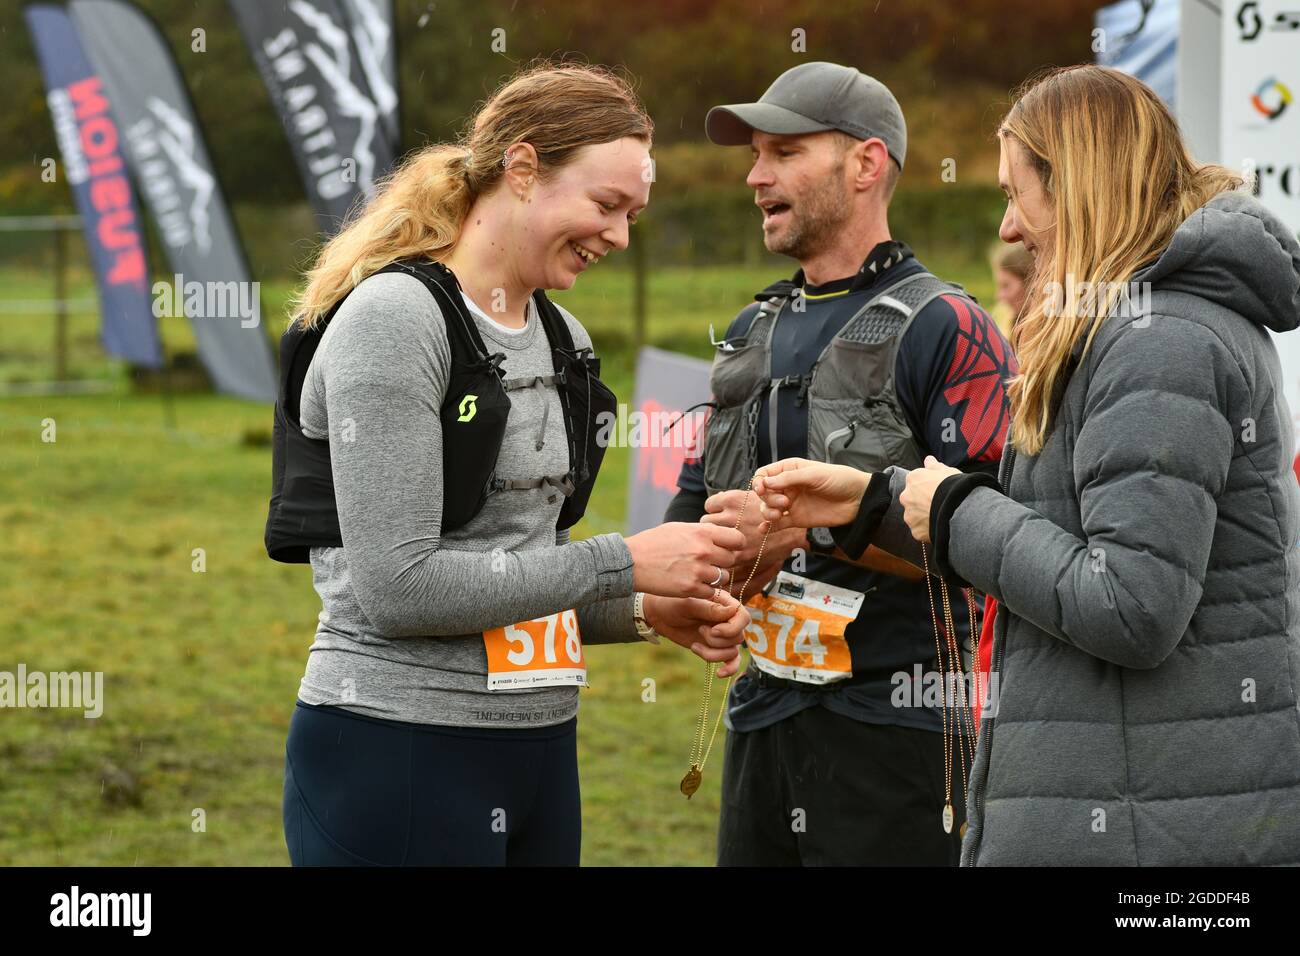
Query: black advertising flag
{"points": [[319, 59]]}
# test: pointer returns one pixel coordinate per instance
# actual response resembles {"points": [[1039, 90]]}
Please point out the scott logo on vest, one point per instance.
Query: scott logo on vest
{"points": [[467, 403]]}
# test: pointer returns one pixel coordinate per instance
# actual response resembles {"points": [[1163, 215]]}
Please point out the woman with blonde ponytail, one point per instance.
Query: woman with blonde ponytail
{"points": [[1141, 649], [436, 720]]}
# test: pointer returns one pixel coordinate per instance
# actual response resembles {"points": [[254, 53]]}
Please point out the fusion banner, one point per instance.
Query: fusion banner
{"points": [[89, 143], [329, 66], [211, 284]]}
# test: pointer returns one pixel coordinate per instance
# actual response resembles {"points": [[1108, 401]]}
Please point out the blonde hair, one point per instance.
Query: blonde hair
{"points": [[419, 208], [1119, 181]]}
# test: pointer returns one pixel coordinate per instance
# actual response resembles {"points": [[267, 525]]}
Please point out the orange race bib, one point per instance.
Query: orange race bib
{"points": [[797, 631], [543, 652]]}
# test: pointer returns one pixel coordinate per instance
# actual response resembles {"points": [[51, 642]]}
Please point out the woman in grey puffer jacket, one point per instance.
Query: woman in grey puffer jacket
{"points": [[1143, 543]]}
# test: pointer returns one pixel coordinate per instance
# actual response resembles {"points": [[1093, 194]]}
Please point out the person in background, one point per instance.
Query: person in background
{"points": [[1012, 268]]}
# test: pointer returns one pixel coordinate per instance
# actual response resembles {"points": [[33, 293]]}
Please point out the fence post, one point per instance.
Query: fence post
{"points": [[60, 309]]}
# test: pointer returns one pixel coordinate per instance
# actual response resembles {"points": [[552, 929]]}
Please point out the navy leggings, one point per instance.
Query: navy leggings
{"points": [[362, 791]]}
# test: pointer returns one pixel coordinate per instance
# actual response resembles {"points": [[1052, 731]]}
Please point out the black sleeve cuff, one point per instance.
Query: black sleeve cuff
{"points": [[948, 496], [686, 506], [854, 537]]}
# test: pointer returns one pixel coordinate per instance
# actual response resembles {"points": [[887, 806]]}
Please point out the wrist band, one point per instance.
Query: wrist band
{"points": [[643, 628], [948, 496], [853, 538]]}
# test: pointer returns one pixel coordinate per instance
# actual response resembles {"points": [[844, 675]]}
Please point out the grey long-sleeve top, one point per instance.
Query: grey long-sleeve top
{"points": [[403, 605]]}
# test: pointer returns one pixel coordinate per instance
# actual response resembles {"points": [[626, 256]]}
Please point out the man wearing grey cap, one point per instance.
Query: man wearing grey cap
{"points": [[834, 755]]}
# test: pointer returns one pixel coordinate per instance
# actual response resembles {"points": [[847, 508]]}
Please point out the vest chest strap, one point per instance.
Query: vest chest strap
{"points": [[528, 381], [563, 483]]}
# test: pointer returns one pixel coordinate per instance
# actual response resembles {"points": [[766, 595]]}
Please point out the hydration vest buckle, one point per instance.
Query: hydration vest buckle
{"points": [[805, 383]]}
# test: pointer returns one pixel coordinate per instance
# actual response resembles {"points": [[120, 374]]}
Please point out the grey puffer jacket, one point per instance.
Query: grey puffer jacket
{"points": [[1147, 646]]}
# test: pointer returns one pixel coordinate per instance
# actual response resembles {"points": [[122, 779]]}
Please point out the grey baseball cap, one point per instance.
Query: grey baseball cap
{"points": [[811, 98]]}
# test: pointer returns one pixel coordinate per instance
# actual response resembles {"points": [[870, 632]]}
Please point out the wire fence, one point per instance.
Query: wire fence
{"points": [[49, 313]]}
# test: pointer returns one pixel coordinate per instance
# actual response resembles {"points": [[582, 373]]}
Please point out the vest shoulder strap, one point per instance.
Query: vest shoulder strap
{"points": [[462, 332], [770, 303], [553, 323], [562, 354], [888, 313]]}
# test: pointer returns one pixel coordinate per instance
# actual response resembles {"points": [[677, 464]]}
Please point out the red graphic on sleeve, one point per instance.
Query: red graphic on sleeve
{"points": [[981, 365]]}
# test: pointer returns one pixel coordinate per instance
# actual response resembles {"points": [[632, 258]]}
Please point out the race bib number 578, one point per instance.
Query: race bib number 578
{"points": [[543, 652]]}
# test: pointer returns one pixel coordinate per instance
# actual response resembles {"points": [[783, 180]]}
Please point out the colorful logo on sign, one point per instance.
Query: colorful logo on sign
{"points": [[1271, 98]]}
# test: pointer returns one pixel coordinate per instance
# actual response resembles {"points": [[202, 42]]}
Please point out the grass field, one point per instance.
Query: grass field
{"points": [[98, 535]]}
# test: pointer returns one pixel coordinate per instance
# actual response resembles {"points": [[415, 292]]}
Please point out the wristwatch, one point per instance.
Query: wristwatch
{"points": [[643, 628], [820, 541]]}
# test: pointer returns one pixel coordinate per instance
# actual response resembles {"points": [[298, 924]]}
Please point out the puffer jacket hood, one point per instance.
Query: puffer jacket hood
{"points": [[1235, 253]]}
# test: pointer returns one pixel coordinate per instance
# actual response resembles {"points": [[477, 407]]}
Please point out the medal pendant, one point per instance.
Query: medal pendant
{"points": [[947, 816], [691, 782]]}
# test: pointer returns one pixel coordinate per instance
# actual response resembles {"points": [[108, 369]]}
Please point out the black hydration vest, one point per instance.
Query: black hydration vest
{"points": [[474, 411]]}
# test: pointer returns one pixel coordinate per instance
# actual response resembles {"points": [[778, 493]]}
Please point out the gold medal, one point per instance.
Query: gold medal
{"points": [[959, 730], [691, 782]]}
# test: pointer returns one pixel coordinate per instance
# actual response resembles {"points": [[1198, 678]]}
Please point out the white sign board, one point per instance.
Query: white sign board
{"points": [[1259, 123]]}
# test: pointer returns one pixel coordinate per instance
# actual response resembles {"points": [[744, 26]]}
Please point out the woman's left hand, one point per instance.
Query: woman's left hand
{"points": [[919, 493], [713, 630]]}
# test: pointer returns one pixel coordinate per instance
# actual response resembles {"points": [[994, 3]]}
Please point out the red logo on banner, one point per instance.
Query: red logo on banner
{"points": [[110, 191]]}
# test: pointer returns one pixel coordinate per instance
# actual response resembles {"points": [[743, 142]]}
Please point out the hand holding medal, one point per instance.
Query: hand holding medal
{"points": [[699, 750]]}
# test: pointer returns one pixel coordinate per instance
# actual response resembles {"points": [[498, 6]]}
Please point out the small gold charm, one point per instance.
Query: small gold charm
{"points": [[947, 818], [691, 782], [961, 832]]}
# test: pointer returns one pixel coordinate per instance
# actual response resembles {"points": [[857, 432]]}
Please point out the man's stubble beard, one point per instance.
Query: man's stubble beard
{"points": [[815, 220]]}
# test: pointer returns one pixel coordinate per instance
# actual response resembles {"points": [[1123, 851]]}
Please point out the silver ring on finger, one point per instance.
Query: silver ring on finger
{"points": [[718, 580]]}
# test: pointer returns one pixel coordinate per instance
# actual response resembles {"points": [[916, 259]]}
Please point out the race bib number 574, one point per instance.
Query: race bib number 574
{"points": [[543, 652], [797, 631]]}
